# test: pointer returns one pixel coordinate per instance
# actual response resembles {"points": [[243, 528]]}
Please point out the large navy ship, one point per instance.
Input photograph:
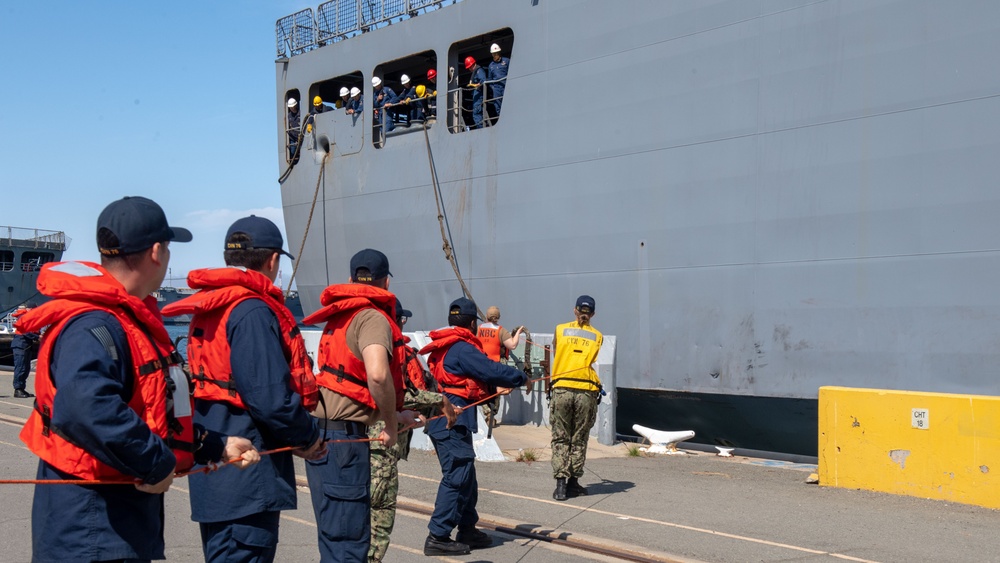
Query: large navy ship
{"points": [[23, 251], [764, 197]]}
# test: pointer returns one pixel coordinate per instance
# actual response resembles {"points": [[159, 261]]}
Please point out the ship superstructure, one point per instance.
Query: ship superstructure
{"points": [[23, 252], [763, 197]]}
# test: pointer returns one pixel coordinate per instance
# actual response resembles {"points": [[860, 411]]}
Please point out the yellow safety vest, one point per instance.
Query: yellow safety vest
{"points": [[576, 351]]}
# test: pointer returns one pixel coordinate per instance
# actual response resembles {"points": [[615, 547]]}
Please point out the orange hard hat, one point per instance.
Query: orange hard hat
{"points": [[469, 62], [431, 74]]}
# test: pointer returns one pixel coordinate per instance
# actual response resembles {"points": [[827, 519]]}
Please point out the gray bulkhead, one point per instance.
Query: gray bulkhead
{"points": [[763, 197]]}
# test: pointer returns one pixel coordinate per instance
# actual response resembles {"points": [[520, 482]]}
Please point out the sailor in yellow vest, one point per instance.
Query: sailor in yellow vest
{"points": [[575, 394]]}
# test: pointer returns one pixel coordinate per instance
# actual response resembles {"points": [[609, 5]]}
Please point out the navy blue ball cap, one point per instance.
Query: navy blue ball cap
{"points": [[262, 232], [462, 306], [138, 223], [400, 311], [585, 304], [372, 260]]}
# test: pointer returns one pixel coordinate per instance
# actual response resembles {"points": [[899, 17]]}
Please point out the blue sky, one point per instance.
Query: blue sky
{"points": [[170, 100]]}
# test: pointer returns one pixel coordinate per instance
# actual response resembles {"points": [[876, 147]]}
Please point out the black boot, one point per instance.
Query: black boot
{"points": [[574, 488], [475, 539], [444, 546], [560, 492]]}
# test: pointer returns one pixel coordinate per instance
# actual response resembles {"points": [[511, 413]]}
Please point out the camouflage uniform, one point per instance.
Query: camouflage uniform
{"points": [[572, 413], [385, 475]]}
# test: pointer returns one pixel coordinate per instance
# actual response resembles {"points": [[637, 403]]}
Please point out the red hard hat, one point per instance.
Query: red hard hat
{"points": [[431, 74], [469, 62]]}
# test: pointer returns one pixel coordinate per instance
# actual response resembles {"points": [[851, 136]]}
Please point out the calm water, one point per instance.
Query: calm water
{"points": [[179, 330]]}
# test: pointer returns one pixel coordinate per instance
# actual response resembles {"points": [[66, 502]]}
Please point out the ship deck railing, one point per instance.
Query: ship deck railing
{"points": [[456, 96], [33, 238], [337, 20]]}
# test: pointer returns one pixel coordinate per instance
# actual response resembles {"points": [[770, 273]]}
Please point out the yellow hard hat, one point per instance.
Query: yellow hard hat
{"points": [[421, 90], [317, 101]]}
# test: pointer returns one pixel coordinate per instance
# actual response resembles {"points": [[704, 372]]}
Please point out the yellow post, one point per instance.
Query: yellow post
{"points": [[931, 445]]}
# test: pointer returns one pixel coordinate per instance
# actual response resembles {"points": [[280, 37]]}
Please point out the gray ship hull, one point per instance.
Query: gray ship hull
{"points": [[763, 197]]}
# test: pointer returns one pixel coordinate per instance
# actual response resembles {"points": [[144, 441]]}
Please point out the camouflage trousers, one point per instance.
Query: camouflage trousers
{"points": [[384, 488], [571, 415]]}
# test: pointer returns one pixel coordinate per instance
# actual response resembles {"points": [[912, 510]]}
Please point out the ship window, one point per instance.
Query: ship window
{"points": [[329, 91], [6, 260], [475, 98], [32, 261], [408, 108], [293, 124]]}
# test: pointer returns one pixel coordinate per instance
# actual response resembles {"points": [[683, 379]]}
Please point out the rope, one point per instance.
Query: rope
{"points": [[312, 208], [298, 150], [449, 252], [212, 467]]}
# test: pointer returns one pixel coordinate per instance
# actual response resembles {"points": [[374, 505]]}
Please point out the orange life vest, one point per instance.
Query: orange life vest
{"points": [[339, 370], [455, 383], [417, 377], [222, 289], [158, 395], [489, 335]]}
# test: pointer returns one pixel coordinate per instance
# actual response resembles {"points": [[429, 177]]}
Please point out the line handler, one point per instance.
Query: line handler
{"points": [[113, 402]]}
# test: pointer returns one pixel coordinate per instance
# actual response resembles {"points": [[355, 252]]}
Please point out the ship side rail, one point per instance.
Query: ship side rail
{"points": [[33, 238], [337, 20], [461, 115], [400, 127]]}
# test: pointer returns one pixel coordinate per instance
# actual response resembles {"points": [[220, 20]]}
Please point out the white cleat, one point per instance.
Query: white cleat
{"points": [[663, 442], [725, 452]]}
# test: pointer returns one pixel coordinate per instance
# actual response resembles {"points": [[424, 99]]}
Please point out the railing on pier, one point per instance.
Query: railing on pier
{"points": [[337, 20], [33, 238]]}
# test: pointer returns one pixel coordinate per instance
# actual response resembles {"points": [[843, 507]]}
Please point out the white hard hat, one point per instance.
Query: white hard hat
{"points": [[376, 81], [355, 91], [404, 79], [494, 48], [344, 91], [292, 103]]}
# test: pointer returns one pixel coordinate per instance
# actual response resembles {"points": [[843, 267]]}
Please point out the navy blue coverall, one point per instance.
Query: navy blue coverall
{"points": [[294, 124], [239, 510], [356, 104], [21, 346], [478, 77], [387, 96], [406, 112], [72, 523], [458, 492], [498, 71]]}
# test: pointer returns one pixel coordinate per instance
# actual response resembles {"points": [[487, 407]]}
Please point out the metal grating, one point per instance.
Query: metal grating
{"points": [[340, 19], [393, 8], [296, 33], [347, 16], [326, 20], [371, 12]]}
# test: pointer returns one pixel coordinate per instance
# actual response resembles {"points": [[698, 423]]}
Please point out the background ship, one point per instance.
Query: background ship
{"points": [[764, 197], [23, 251], [167, 295]]}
